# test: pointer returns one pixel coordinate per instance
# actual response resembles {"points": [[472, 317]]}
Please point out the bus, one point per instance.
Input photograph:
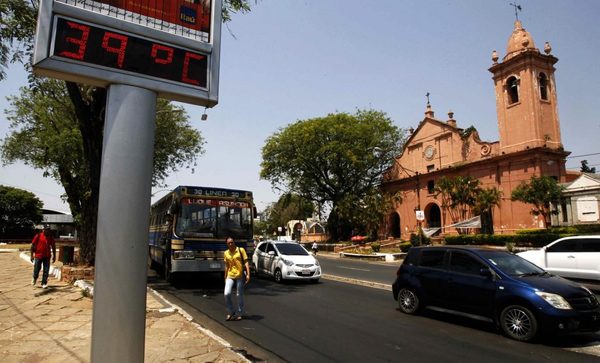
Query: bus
{"points": [[189, 225]]}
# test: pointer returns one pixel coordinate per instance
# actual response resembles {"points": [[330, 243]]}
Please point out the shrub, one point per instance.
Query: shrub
{"points": [[417, 240], [404, 246], [375, 246]]}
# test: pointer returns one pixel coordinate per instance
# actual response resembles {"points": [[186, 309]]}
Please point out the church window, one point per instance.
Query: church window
{"points": [[430, 186], [543, 82], [512, 86], [430, 168]]}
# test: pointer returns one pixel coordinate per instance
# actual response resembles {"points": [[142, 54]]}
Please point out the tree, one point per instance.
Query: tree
{"points": [[365, 213], [485, 201], [462, 197], [586, 169], [288, 207], [81, 180], [20, 210], [46, 133], [542, 192], [458, 195], [329, 159]]}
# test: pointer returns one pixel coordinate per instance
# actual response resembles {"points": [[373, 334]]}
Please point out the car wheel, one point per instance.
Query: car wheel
{"points": [[408, 301], [518, 323], [278, 276]]}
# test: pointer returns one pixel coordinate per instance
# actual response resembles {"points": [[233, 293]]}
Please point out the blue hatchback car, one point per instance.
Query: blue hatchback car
{"points": [[497, 286]]}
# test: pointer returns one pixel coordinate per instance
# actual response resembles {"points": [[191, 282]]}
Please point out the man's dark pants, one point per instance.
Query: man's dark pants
{"points": [[37, 264]]}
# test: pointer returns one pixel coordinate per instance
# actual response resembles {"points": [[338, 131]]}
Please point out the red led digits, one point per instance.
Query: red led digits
{"points": [[120, 51], [162, 48], [186, 67], [127, 53], [80, 42]]}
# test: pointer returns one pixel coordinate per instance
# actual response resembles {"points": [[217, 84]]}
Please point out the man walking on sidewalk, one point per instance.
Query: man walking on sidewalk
{"points": [[40, 255]]}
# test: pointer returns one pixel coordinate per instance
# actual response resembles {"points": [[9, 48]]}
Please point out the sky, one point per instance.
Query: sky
{"points": [[290, 60]]}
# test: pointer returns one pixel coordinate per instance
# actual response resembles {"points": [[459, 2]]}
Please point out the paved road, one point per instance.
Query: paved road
{"points": [[373, 271], [340, 322]]}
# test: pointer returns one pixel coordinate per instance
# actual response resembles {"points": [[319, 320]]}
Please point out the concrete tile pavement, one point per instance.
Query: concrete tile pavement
{"points": [[55, 324]]}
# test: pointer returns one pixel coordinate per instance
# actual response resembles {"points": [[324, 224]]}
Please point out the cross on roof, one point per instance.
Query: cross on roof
{"points": [[517, 9]]}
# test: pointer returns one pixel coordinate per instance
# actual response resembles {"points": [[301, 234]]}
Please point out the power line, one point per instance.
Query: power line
{"points": [[581, 156]]}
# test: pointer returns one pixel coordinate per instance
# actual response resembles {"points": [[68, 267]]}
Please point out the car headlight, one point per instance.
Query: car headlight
{"points": [[555, 300], [287, 262]]}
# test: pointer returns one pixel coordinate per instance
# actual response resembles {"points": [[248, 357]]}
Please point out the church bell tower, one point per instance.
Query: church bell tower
{"points": [[526, 101]]}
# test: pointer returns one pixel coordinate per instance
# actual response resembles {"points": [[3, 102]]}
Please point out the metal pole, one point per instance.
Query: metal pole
{"points": [[119, 315]]}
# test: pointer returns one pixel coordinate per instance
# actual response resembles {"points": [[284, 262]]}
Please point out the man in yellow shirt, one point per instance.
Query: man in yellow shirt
{"points": [[236, 261]]}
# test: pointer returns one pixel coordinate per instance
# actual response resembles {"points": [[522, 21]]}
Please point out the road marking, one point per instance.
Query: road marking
{"points": [[376, 285], [354, 268]]}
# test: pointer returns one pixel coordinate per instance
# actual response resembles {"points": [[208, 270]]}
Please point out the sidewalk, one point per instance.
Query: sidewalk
{"points": [[55, 324]]}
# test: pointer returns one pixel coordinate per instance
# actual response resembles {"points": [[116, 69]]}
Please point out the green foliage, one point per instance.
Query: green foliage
{"points": [[19, 210], [288, 207], [375, 246], [419, 239], [479, 239], [49, 131], [234, 6], [17, 28], [337, 160], [530, 238], [468, 131], [404, 246], [541, 192], [462, 196]]}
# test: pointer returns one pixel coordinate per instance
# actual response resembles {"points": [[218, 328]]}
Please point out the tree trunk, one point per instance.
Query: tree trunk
{"points": [[87, 232], [89, 109]]}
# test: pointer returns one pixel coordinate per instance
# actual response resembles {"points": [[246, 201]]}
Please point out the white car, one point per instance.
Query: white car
{"points": [[574, 257], [285, 261]]}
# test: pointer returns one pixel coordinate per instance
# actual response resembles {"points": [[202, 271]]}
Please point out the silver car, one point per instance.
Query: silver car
{"points": [[285, 261]]}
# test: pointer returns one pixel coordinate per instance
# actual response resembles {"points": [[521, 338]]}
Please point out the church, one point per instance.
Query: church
{"points": [[529, 145]]}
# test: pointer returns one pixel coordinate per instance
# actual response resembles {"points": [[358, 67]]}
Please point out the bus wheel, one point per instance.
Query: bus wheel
{"points": [[167, 274], [151, 263]]}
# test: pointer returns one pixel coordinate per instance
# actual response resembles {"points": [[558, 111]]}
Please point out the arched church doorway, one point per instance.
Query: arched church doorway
{"points": [[433, 216], [394, 227]]}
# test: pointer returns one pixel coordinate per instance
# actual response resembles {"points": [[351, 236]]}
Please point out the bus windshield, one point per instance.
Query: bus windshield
{"points": [[214, 219]]}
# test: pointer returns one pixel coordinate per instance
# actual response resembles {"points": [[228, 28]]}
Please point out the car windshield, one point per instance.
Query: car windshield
{"points": [[291, 249], [512, 264]]}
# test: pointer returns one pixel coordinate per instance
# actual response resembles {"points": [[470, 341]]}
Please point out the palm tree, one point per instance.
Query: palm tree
{"points": [[485, 202]]}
